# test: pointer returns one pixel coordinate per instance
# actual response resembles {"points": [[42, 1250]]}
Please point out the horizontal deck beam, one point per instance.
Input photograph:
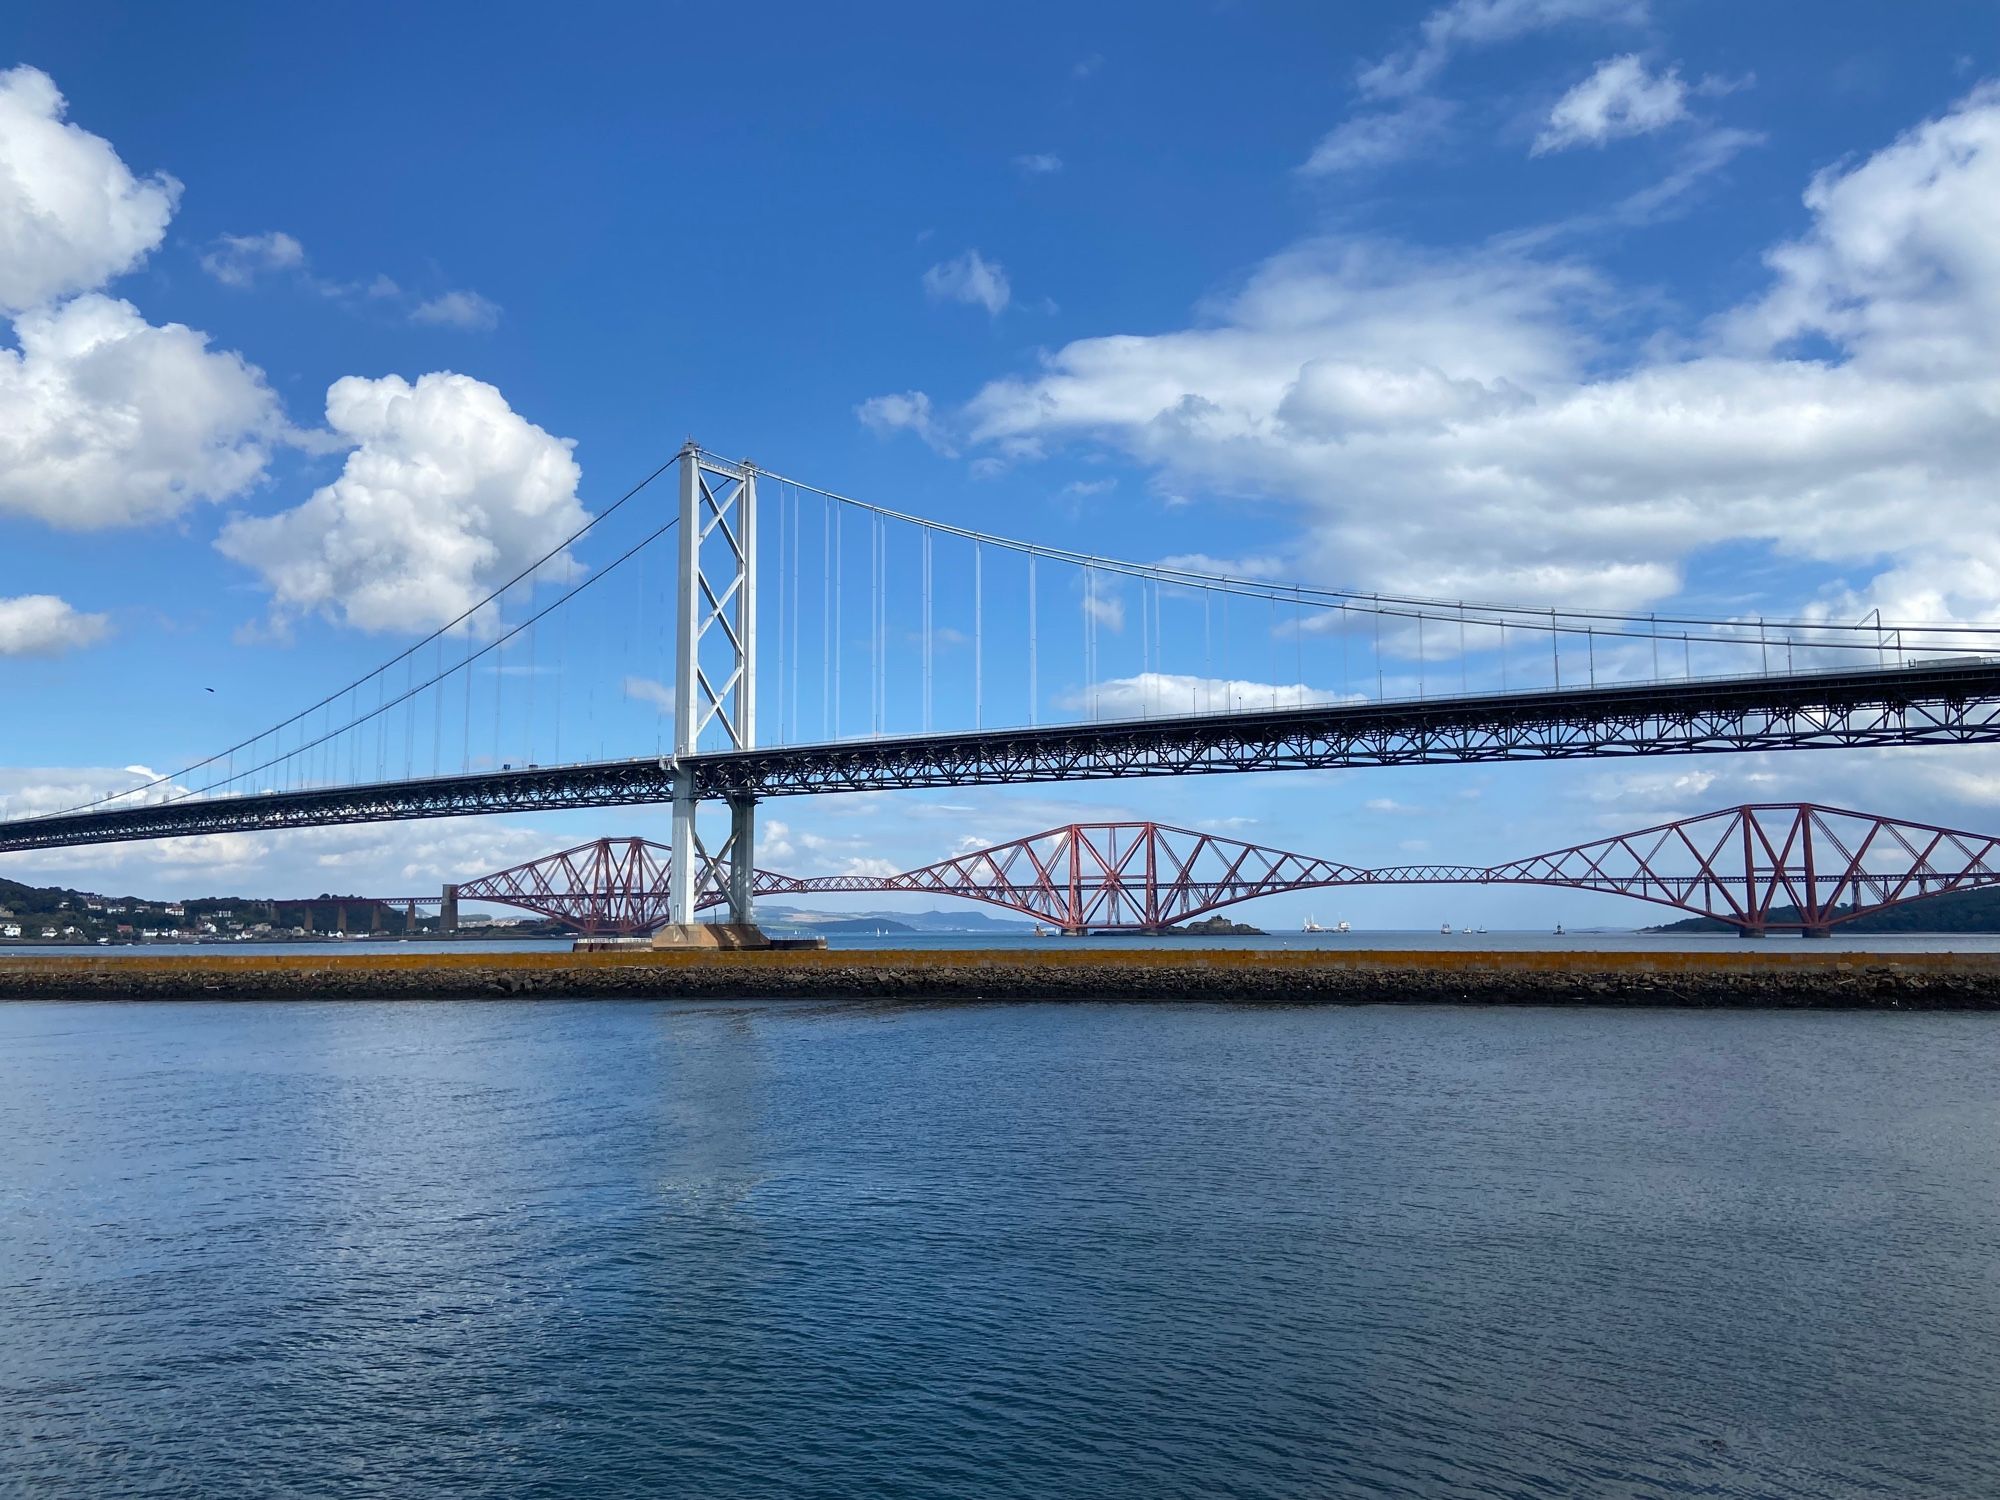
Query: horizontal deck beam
{"points": [[1946, 703]]}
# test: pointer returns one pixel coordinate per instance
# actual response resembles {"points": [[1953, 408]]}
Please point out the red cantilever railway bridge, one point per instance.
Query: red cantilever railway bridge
{"points": [[1775, 867]]}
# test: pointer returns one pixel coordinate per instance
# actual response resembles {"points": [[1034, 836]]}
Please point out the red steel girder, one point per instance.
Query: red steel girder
{"points": [[1739, 865], [607, 887], [1111, 877]]}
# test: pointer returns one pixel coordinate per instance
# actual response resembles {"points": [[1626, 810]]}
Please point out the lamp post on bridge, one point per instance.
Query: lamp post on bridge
{"points": [[717, 598]]}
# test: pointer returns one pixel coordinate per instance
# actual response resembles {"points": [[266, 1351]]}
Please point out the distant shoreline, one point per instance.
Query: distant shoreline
{"points": [[1816, 980]]}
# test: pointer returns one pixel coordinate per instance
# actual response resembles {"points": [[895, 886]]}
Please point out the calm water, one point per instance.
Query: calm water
{"points": [[738, 1250], [1429, 940]]}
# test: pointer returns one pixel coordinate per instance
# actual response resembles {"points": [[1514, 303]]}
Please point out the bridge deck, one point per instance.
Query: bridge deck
{"points": [[1942, 703]]}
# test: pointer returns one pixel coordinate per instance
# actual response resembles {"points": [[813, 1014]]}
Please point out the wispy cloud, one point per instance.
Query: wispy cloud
{"points": [[905, 411], [1402, 114], [1621, 98], [461, 309], [239, 259], [646, 690], [1376, 140], [1482, 23], [971, 279], [245, 260], [1702, 158]]}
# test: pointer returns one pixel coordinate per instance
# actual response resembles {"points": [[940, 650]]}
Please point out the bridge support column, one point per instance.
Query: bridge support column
{"points": [[684, 876], [448, 912], [742, 858], [1749, 932], [1817, 932]]}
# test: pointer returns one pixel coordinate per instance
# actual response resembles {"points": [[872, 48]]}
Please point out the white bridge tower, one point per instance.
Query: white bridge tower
{"points": [[715, 669]]}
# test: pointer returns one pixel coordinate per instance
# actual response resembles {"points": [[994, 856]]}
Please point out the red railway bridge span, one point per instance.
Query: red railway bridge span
{"points": [[1760, 867]]}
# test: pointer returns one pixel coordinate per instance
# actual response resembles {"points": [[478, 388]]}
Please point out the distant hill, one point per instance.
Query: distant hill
{"points": [[846, 926], [39, 900], [969, 919], [1961, 911]]}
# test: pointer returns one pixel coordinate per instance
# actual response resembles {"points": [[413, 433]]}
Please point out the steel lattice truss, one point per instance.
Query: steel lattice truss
{"points": [[1760, 867], [1952, 703], [1939, 704], [1742, 864], [1121, 876], [617, 886]]}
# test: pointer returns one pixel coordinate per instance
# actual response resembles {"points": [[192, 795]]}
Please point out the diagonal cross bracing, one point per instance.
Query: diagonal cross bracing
{"points": [[1149, 877]]}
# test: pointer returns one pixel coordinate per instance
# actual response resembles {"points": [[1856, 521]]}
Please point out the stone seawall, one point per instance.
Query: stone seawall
{"points": [[1818, 980]]}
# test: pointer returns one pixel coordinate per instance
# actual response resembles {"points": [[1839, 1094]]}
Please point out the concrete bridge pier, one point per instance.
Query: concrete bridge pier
{"points": [[448, 912]]}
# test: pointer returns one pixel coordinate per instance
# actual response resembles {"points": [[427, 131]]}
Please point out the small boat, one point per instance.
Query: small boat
{"points": [[1559, 929], [1342, 926], [1445, 930], [1312, 926]]}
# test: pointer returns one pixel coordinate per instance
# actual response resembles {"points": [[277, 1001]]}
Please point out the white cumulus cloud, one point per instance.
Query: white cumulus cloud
{"points": [[44, 625], [72, 215], [971, 279], [448, 492], [1451, 424], [106, 420], [1902, 260], [1620, 99]]}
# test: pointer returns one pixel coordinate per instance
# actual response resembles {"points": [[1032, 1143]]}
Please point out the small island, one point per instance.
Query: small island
{"points": [[1218, 926]]}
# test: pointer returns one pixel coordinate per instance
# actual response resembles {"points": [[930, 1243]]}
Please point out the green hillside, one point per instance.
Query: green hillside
{"points": [[1960, 911]]}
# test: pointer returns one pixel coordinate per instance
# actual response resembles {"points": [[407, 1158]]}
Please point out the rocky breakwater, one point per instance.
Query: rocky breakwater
{"points": [[1817, 980]]}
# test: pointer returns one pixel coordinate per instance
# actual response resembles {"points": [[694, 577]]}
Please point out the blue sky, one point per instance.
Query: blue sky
{"points": [[1617, 302]]}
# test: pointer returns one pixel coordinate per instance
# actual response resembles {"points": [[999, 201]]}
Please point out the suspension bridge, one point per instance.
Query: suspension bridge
{"points": [[1761, 867], [818, 643]]}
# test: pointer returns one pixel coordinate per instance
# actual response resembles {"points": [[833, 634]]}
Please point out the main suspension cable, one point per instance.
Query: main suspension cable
{"points": [[410, 651], [1412, 607]]}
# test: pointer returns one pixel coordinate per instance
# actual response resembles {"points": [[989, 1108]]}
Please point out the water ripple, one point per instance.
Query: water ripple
{"points": [[631, 1249]]}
